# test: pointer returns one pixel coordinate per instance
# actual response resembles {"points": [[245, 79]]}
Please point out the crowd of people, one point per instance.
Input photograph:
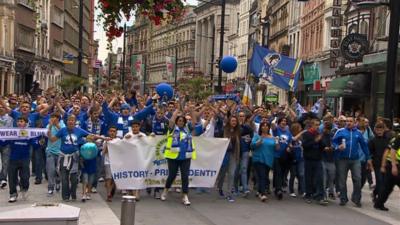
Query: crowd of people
{"points": [[316, 150]]}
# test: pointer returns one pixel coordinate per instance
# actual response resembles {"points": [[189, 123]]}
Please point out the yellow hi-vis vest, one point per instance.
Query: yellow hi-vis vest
{"points": [[174, 139]]}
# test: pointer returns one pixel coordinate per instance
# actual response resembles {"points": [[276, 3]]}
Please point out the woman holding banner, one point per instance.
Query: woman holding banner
{"points": [[179, 152]]}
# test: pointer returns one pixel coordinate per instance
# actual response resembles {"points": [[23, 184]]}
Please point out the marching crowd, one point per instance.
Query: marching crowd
{"points": [[313, 147]]}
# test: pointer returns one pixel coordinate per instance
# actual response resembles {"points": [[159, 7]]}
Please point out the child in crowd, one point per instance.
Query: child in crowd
{"points": [[109, 182], [18, 168], [88, 173]]}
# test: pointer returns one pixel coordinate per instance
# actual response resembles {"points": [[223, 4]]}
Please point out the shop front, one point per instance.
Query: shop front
{"points": [[350, 95]]}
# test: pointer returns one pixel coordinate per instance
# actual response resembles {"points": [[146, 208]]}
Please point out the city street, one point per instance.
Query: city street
{"points": [[208, 209]]}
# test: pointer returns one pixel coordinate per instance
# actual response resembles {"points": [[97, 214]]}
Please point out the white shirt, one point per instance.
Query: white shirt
{"points": [[210, 129]]}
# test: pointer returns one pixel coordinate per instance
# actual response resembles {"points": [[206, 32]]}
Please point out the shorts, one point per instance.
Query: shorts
{"points": [[88, 178], [107, 171]]}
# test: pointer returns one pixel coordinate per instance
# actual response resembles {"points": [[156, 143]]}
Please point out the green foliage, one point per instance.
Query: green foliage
{"points": [[70, 84], [197, 88]]}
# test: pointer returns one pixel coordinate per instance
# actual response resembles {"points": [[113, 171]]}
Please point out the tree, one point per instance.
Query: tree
{"points": [[197, 88], [72, 83]]}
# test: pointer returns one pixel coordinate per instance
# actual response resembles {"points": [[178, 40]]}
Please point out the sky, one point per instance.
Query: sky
{"points": [[100, 34]]}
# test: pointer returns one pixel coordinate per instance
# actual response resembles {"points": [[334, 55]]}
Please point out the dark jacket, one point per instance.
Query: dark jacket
{"points": [[312, 148], [377, 148], [326, 141]]}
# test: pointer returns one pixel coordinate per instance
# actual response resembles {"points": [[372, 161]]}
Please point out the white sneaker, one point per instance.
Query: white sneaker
{"points": [[178, 190], [94, 190], [50, 193], [3, 184], [185, 200], [101, 179], [88, 197], [164, 194], [293, 195], [12, 199], [24, 195]]}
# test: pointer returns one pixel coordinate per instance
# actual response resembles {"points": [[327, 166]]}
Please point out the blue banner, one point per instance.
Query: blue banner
{"points": [[275, 68]]}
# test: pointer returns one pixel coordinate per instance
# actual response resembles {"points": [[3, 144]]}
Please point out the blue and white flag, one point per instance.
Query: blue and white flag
{"points": [[275, 68], [316, 107]]}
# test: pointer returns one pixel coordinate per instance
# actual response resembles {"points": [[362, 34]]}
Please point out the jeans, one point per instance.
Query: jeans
{"points": [[39, 162], [184, 167], [21, 168], [241, 172], [5, 157], [100, 169], [229, 168], [365, 175], [314, 179], [297, 171], [279, 172], [261, 170], [69, 181], [52, 170], [329, 176], [378, 180], [343, 167]]}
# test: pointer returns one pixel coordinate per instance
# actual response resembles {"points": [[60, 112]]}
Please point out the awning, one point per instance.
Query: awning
{"points": [[350, 86]]}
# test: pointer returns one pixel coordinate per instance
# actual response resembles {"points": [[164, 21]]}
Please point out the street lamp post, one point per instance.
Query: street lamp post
{"points": [[123, 59], [392, 58], [80, 50], [221, 45], [176, 65]]}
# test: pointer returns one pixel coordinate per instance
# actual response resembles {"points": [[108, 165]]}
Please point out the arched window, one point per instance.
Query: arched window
{"points": [[364, 27]]}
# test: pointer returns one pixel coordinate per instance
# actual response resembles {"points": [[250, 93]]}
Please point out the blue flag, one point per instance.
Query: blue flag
{"points": [[275, 68]]}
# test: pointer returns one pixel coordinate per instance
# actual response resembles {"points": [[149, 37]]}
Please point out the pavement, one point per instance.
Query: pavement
{"points": [[92, 212], [209, 209]]}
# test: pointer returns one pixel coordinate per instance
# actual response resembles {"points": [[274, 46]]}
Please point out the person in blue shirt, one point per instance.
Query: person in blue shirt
{"points": [[80, 115], [281, 162], [124, 120], [346, 143], [24, 110], [52, 154], [40, 119], [246, 134], [264, 146], [160, 123], [71, 138], [89, 174], [95, 125], [18, 168], [297, 165]]}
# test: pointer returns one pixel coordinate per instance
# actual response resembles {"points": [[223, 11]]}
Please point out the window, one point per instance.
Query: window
{"points": [[57, 50], [26, 38], [28, 3], [57, 17], [364, 28]]}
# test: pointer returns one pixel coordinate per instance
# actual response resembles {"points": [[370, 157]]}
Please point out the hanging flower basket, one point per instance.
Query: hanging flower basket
{"points": [[157, 11]]}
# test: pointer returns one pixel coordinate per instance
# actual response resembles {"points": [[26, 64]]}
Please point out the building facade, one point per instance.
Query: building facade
{"points": [[208, 28], [173, 42], [71, 36], [7, 61]]}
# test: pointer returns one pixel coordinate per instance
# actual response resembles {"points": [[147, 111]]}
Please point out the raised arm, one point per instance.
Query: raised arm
{"points": [[171, 124], [8, 109]]}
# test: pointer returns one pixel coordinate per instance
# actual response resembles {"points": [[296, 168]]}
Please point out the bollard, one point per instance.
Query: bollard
{"points": [[128, 210]]}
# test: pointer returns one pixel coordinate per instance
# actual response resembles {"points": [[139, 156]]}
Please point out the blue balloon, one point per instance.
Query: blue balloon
{"points": [[89, 151], [165, 91], [228, 64]]}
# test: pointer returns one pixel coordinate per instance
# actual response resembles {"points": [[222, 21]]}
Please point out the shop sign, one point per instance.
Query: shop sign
{"points": [[271, 97], [354, 47], [335, 33]]}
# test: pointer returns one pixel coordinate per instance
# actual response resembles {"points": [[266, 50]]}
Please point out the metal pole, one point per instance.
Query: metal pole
{"points": [[80, 51], [212, 58], [128, 210], [392, 58], [123, 60], [176, 65], [221, 45], [144, 75]]}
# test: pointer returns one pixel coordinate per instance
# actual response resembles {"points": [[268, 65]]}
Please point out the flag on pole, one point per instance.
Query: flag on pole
{"points": [[247, 96], [296, 106], [275, 68]]}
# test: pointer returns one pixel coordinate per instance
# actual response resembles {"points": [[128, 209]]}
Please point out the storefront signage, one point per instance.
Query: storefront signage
{"points": [[335, 33], [311, 73], [354, 47]]}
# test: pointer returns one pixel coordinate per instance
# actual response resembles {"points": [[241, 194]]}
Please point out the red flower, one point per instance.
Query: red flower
{"points": [[105, 4]]}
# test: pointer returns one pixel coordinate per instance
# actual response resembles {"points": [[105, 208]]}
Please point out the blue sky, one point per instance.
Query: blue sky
{"points": [[101, 34]]}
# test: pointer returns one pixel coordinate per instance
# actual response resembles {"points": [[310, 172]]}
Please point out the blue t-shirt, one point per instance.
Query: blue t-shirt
{"points": [[80, 119], [17, 114], [285, 137], [39, 121], [265, 152], [89, 166], [20, 148], [71, 140], [159, 125], [54, 147]]}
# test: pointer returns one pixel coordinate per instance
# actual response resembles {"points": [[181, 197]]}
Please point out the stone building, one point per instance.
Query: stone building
{"points": [[7, 61]]}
